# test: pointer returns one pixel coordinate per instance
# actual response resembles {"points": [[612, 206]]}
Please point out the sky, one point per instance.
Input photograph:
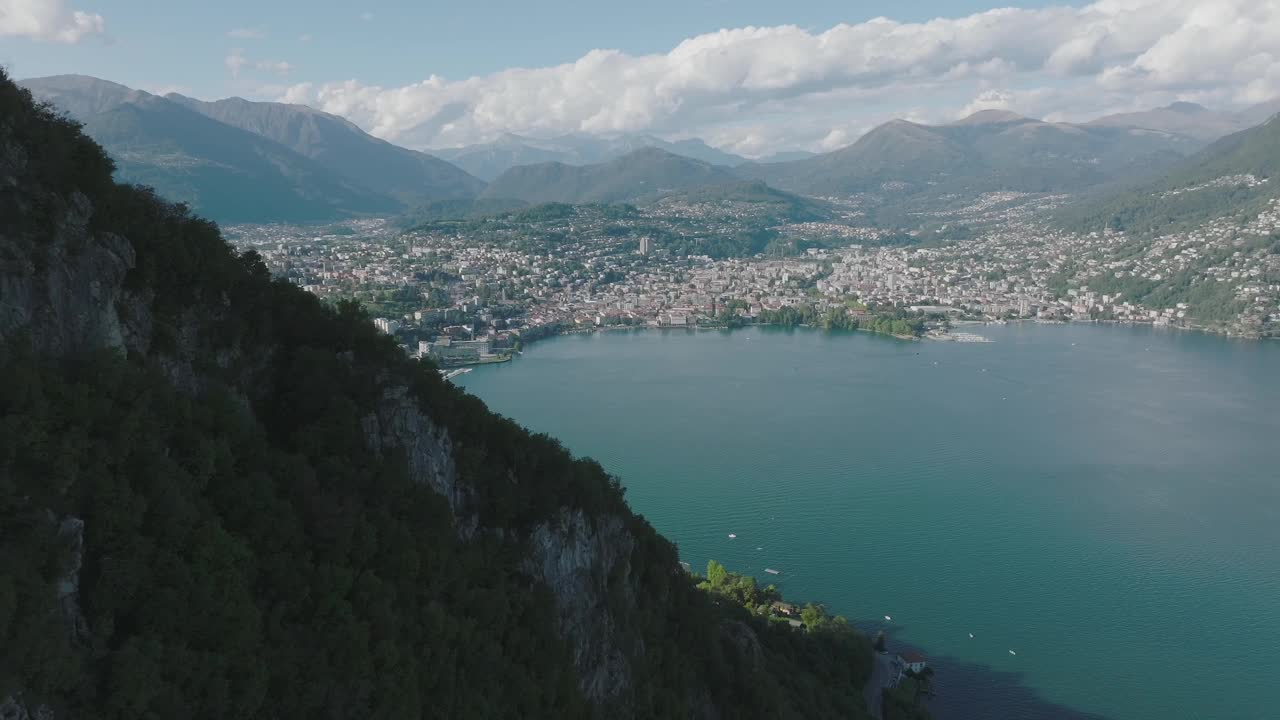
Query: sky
{"points": [[751, 76]]}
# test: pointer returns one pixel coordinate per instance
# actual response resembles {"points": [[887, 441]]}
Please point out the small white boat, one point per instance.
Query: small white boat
{"points": [[1012, 652], [970, 636], [771, 571], [886, 617], [731, 536]]}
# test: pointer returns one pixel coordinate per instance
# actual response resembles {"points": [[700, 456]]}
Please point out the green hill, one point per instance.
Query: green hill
{"points": [[750, 199], [644, 174], [221, 498], [491, 159]]}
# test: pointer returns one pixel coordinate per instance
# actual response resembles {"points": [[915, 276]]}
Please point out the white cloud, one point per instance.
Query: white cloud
{"points": [[47, 20], [278, 67], [818, 89], [236, 63], [248, 34]]}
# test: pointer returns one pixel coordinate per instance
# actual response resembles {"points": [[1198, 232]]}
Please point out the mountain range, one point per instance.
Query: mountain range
{"points": [[407, 175], [489, 160], [241, 161], [904, 164], [641, 174], [1191, 120], [1238, 174]]}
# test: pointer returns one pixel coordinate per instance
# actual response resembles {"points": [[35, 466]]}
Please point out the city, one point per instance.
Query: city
{"points": [[475, 291]]}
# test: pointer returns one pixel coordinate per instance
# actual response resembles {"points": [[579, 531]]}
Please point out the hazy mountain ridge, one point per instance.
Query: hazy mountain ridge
{"points": [[325, 168], [643, 174], [1235, 175], [1192, 120], [756, 197], [1007, 152], [906, 167], [338, 144], [231, 174], [489, 160]]}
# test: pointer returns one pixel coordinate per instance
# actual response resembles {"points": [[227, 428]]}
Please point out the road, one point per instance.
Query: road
{"points": [[882, 676]]}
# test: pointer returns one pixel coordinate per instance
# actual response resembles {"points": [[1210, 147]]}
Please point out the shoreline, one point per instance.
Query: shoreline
{"points": [[509, 357], [904, 338]]}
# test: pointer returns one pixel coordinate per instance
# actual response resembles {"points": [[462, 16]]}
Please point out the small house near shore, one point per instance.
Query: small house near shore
{"points": [[911, 660]]}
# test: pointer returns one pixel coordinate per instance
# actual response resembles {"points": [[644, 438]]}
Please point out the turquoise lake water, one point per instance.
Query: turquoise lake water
{"points": [[1104, 501]]}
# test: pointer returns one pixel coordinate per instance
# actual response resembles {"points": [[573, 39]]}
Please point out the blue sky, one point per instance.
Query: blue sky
{"points": [[781, 75]]}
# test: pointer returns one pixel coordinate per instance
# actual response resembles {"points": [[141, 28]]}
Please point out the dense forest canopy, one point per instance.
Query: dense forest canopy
{"points": [[243, 551]]}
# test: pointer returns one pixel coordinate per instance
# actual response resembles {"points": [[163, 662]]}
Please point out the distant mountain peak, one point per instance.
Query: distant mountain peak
{"points": [[648, 151], [991, 117], [1189, 108]]}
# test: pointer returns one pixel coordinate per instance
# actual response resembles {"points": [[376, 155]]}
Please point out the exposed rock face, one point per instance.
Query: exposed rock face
{"points": [[577, 560], [574, 558], [65, 286], [745, 639], [15, 707], [71, 530], [398, 424]]}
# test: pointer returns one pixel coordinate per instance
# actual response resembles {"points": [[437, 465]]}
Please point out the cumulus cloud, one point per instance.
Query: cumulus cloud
{"points": [[814, 88], [48, 20], [248, 34], [235, 62]]}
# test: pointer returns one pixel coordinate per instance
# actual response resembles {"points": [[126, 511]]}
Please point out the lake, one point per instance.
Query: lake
{"points": [[1104, 501]]}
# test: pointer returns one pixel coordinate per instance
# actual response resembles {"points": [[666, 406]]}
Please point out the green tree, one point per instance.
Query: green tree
{"points": [[716, 574]]}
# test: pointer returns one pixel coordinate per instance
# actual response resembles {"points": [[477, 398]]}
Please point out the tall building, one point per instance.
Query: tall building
{"points": [[646, 245]]}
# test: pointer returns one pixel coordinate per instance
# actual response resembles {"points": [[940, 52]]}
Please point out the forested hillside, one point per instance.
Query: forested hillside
{"points": [[1235, 176], [220, 498]]}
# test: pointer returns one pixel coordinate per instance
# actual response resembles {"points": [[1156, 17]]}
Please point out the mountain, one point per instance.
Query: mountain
{"points": [[221, 497], [786, 156], [228, 173], [1180, 118], [1236, 175], [642, 174], [1260, 113], [241, 161], [489, 160], [908, 167], [990, 117], [747, 199], [407, 175]]}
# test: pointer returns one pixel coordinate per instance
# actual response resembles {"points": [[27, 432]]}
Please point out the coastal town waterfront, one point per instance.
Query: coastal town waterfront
{"points": [[475, 291]]}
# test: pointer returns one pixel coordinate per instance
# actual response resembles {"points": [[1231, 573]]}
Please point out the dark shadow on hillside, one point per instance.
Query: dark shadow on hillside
{"points": [[972, 691]]}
